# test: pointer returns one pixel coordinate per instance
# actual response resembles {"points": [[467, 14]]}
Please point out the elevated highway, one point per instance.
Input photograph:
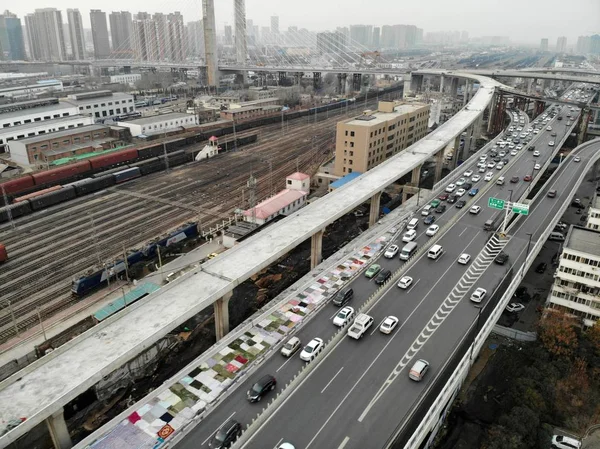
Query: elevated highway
{"points": [[348, 397], [41, 390]]}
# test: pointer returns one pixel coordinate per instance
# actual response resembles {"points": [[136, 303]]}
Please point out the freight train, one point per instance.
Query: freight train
{"points": [[41, 199], [99, 278]]}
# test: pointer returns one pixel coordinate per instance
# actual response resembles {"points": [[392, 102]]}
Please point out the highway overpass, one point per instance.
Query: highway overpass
{"points": [[39, 391]]}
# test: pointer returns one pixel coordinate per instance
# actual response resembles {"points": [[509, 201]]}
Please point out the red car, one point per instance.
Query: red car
{"points": [[527, 178], [443, 197]]}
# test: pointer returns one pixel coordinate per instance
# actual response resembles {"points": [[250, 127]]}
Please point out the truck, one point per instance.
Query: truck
{"points": [[491, 224], [360, 326]]}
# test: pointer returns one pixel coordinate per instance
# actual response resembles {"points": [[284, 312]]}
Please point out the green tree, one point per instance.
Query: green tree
{"points": [[556, 331]]}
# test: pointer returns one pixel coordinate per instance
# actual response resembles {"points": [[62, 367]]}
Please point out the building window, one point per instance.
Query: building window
{"points": [[351, 133], [349, 170], [351, 144]]}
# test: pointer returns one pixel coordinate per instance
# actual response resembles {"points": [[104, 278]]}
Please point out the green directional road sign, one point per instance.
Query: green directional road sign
{"points": [[520, 208], [495, 203]]}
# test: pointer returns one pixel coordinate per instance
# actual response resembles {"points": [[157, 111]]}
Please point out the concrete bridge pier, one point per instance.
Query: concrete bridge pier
{"points": [[374, 211], [221, 306], [468, 143], [413, 187], [530, 82], [442, 80], [416, 83], [316, 248], [439, 164], [356, 82], [59, 431], [341, 83], [454, 87], [317, 80]]}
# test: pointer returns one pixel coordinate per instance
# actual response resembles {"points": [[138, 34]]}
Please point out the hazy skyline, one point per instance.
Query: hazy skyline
{"points": [[522, 21]]}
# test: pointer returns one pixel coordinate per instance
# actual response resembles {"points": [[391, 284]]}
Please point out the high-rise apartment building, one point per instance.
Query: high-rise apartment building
{"points": [[195, 35], [544, 44], [369, 139], [162, 32], [360, 35], [46, 35], [145, 38], [275, 24], [176, 37], [121, 32], [76, 34], [576, 288], [12, 43], [228, 35], [583, 45], [375, 40], [100, 34], [561, 44], [331, 42]]}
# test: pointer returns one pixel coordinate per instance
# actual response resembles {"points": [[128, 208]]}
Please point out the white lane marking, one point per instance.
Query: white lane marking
{"points": [[441, 255], [278, 443], [335, 313], [378, 326], [465, 230], [210, 436], [343, 445], [413, 284], [332, 379], [284, 363]]}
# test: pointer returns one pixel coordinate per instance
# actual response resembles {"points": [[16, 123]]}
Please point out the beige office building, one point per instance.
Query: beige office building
{"points": [[369, 139]]}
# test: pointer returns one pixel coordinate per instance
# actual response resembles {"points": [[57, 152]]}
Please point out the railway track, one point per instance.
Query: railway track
{"points": [[36, 277]]}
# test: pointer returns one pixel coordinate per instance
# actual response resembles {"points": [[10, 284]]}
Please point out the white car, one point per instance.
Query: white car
{"points": [[562, 442], [537, 166], [481, 164], [491, 164], [483, 157], [389, 324], [391, 251], [405, 282], [514, 152], [499, 165], [536, 131], [536, 153], [468, 173], [576, 159], [461, 181], [548, 128], [478, 294], [551, 143], [460, 192], [432, 230], [464, 258], [482, 169], [312, 349], [344, 316], [409, 236], [514, 307], [451, 188], [475, 210], [475, 178], [488, 176]]}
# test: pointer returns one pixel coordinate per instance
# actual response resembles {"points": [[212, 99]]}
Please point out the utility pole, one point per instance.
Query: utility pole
{"points": [[41, 322], [251, 184], [126, 264], [8, 210], [160, 263], [270, 178]]}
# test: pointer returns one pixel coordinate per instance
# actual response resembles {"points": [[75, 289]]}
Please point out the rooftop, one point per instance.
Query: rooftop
{"points": [[58, 134], [84, 101], [57, 108], [583, 240], [298, 176], [274, 204], [77, 146], [55, 122], [156, 119], [382, 117], [345, 180]]}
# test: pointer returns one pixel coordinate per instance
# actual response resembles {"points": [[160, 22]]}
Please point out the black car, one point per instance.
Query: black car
{"points": [[429, 219], [505, 161], [531, 148], [541, 267], [497, 159], [226, 435], [441, 209], [383, 276], [460, 204], [451, 199], [260, 388], [467, 186], [501, 258]]}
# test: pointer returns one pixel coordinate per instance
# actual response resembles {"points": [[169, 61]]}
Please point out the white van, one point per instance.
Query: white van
{"points": [[412, 224], [435, 251], [408, 250], [556, 236], [426, 210], [500, 181]]}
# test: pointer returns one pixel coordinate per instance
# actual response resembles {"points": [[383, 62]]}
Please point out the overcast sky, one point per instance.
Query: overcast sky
{"points": [[521, 20]]}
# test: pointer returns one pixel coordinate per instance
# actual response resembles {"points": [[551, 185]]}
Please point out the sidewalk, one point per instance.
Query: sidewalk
{"points": [[20, 351]]}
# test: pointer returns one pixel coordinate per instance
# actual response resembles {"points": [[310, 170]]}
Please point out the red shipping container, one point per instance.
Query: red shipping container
{"points": [[115, 158], [3, 254], [34, 194], [56, 175], [17, 185]]}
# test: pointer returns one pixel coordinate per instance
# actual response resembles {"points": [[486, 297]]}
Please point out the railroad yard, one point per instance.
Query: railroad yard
{"points": [[50, 248]]}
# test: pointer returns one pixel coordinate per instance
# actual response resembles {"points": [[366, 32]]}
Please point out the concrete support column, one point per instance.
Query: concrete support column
{"points": [[221, 306], [210, 42], [416, 83], [466, 92], [316, 248], [442, 79], [374, 212], [530, 86], [468, 140], [454, 87], [493, 111], [456, 152], [59, 431], [416, 175], [439, 164]]}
